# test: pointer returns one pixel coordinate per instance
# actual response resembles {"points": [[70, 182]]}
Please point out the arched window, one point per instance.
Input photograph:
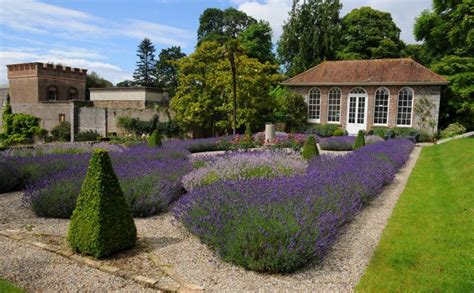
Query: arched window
{"points": [[382, 96], [72, 94], [314, 104], [358, 90], [405, 106], [52, 93], [334, 105]]}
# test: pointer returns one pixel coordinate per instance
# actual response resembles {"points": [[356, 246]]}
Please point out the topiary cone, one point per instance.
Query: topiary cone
{"points": [[360, 140], [155, 139], [310, 149], [102, 221]]}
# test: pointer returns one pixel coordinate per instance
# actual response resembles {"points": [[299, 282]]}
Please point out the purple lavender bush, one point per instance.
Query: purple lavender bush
{"points": [[337, 143], [150, 179], [245, 165], [280, 224]]}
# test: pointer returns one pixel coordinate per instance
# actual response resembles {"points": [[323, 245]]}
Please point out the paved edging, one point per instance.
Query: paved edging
{"points": [[150, 282], [467, 134]]}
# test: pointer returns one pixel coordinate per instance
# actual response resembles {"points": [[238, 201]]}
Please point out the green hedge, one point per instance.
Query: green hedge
{"points": [[102, 222]]}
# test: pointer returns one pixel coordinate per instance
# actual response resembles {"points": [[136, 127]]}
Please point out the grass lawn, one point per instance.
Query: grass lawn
{"points": [[428, 244], [8, 287]]}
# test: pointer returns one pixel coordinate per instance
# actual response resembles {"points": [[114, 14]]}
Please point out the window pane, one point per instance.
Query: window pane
{"points": [[314, 104], [405, 102], [334, 105]]}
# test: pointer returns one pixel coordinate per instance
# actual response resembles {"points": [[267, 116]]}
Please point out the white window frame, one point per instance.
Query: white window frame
{"points": [[412, 107], [317, 120], [340, 105], [388, 106]]}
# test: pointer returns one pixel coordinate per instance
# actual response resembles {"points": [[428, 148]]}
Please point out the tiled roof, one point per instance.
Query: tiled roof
{"points": [[400, 71]]}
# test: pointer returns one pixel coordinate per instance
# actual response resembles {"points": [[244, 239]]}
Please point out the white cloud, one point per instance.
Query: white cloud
{"points": [[276, 12]]}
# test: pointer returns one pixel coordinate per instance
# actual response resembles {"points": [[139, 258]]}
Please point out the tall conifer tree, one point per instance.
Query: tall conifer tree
{"points": [[145, 72]]}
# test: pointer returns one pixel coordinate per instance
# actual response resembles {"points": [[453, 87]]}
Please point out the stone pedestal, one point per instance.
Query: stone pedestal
{"points": [[269, 132]]}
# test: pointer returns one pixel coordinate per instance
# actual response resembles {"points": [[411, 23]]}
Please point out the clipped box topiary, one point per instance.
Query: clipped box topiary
{"points": [[360, 140], [155, 139], [102, 222], [310, 150]]}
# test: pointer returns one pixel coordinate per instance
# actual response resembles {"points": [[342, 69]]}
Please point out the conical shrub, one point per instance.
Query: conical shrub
{"points": [[310, 150], [102, 221], [248, 132], [360, 140], [155, 139]]}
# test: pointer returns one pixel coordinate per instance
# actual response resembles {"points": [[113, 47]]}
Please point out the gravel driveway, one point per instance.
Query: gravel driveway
{"points": [[38, 270]]}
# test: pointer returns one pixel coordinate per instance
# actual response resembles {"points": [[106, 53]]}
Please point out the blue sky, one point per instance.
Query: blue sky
{"points": [[102, 36]]}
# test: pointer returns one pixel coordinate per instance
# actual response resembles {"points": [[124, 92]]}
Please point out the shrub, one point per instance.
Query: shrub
{"points": [[337, 143], [244, 165], [310, 149], [325, 130], [9, 178], [291, 109], [89, 135], [154, 140], [379, 131], [102, 222], [248, 132], [360, 140], [339, 132], [62, 132], [453, 129], [279, 225], [19, 128]]}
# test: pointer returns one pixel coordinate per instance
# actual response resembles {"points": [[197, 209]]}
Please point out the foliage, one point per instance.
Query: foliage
{"points": [[126, 83], [360, 140], [310, 35], [10, 178], [447, 30], [155, 139], [367, 33], [138, 127], [89, 135], [62, 131], [145, 74], [324, 130], [167, 69], [339, 132], [102, 222], [416, 251], [219, 25], [379, 131], [457, 103], [256, 40], [337, 143], [7, 117], [19, 128], [281, 224], [248, 132], [205, 93], [452, 130], [310, 149], [244, 165], [93, 80], [291, 109]]}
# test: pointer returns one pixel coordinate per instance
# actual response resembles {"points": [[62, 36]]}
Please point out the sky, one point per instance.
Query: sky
{"points": [[102, 35]]}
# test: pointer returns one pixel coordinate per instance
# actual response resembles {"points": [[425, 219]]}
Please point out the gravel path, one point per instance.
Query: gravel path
{"points": [[37, 270]]}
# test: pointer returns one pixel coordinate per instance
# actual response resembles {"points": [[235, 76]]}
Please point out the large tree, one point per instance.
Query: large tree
{"points": [[167, 69], [219, 25], [256, 41], [145, 72], [310, 35], [447, 33], [204, 96], [367, 33]]}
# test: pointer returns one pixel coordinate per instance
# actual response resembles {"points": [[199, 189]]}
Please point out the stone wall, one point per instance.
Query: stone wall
{"points": [[49, 113]]}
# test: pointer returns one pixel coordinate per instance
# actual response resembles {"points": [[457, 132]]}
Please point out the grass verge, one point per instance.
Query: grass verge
{"points": [[428, 244], [7, 287]]}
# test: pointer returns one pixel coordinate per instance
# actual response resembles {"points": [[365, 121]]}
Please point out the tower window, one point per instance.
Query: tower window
{"points": [[52, 93]]}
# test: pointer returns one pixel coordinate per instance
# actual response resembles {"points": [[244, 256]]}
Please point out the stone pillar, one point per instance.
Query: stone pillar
{"points": [[269, 132], [72, 112]]}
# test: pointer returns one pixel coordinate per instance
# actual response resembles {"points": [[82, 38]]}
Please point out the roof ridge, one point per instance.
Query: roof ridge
{"points": [[307, 70]]}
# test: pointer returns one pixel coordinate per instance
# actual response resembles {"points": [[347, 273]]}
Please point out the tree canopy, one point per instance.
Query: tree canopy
{"points": [[367, 33], [218, 25], [310, 35], [204, 94], [256, 41], [167, 69], [93, 80], [145, 72]]}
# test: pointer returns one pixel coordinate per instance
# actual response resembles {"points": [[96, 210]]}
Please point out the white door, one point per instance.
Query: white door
{"points": [[356, 113]]}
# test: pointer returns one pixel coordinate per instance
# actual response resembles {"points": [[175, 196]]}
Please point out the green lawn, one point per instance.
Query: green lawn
{"points": [[428, 244], [8, 287]]}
